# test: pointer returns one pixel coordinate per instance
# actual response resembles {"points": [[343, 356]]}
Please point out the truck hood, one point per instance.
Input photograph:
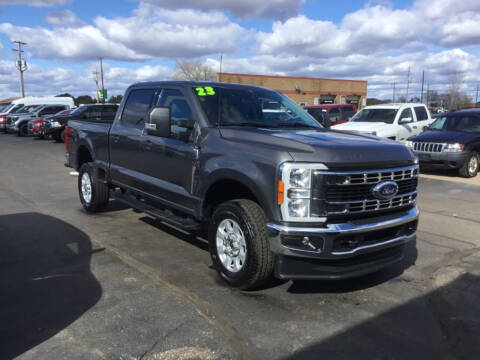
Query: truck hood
{"points": [[445, 136], [363, 126], [325, 146]]}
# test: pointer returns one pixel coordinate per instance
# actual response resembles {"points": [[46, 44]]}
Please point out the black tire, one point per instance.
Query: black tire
{"points": [[23, 130], [467, 170], [55, 137], [62, 136], [99, 191], [258, 265]]}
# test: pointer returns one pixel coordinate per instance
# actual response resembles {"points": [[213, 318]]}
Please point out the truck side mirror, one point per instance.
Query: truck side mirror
{"points": [[159, 122], [405, 120]]}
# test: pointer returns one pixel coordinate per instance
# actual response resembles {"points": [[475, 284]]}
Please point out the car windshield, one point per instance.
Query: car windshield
{"points": [[376, 115], [16, 108], [225, 106], [457, 123], [79, 110]]}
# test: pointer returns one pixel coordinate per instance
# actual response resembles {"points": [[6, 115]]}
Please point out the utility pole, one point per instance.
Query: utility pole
{"points": [[393, 100], [101, 75], [21, 65], [408, 82], [95, 74], [428, 93], [220, 76], [423, 80]]}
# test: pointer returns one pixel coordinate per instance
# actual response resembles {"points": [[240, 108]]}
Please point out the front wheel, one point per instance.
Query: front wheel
{"points": [[93, 194], [239, 245], [23, 130], [471, 166]]}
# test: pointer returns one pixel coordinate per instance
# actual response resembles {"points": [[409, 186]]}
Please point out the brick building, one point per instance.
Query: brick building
{"points": [[304, 90]]}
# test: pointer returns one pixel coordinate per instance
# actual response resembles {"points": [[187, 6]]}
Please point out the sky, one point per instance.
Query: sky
{"points": [[140, 40]]}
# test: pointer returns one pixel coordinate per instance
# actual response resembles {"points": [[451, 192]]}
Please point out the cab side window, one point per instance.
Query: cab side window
{"points": [[108, 113], [137, 106], [348, 112], [421, 113], [334, 114], [406, 113], [180, 113]]}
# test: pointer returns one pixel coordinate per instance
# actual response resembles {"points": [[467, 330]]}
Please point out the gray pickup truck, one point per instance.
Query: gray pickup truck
{"points": [[278, 193]]}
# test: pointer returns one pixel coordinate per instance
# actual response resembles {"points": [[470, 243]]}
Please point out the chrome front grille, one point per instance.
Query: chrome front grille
{"points": [[428, 147], [351, 192], [374, 205]]}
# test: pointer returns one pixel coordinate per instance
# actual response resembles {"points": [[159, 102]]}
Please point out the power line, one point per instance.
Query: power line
{"points": [[21, 65]]}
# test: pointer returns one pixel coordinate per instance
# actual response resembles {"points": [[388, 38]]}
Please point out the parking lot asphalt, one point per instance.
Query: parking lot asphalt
{"points": [[121, 285]]}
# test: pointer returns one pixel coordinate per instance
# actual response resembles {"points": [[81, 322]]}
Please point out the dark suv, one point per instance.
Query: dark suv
{"points": [[451, 142], [55, 126], [336, 113]]}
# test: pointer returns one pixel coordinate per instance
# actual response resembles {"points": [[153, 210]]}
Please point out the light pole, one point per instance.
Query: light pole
{"points": [[21, 65]]}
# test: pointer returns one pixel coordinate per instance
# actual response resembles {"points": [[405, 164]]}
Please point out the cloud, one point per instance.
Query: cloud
{"points": [[42, 80], [35, 3], [63, 18], [149, 33], [244, 9]]}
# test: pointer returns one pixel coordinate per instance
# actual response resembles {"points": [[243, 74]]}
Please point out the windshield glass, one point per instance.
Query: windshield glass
{"points": [[8, 107], [251, 108], [16, 108], [376, 115], [457, 123], [79, 110]]}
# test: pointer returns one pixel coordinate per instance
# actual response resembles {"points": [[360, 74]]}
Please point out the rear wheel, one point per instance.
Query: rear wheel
{"points": [[93, 194], [62, 136], [471, 166], [239, 244]]}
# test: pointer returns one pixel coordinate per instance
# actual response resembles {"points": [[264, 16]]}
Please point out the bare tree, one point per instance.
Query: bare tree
{"points": [[454, 94], [193, 70]]}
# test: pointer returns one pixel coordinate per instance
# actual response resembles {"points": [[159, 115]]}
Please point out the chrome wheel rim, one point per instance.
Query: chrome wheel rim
{"points": [[231, 245], [473, 165], [86, 187]]}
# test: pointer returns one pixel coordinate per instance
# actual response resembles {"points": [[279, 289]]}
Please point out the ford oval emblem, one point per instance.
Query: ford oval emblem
{"points": [[385, 190]]}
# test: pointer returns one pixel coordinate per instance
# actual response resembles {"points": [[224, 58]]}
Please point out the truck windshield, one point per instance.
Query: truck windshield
{"points": [[376, 115], [457, 123], [225, 106]]}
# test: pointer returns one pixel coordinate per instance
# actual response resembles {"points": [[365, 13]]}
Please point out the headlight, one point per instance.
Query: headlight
{"points": [[409, 144], [295, 193], [456, 147], [55, 124]]}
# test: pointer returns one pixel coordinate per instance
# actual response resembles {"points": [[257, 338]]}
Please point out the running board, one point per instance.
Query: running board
{"points": [[166, 215]]}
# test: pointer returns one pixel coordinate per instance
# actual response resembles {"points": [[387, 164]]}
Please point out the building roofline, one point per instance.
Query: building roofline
{"points": [[287, 77]]}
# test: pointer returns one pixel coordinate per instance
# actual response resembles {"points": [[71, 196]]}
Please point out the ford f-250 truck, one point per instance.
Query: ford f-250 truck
{"points": [[278, 193]]}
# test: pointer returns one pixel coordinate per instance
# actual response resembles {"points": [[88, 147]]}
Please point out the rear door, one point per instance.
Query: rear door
{"points": [[126, 160], [422, 119]]}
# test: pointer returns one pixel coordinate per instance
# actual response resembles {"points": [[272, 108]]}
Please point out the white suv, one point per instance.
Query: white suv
{"points": [[393, 121]]}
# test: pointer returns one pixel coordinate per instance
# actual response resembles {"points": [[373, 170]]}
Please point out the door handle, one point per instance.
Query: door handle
{"points": [[115, 138]]}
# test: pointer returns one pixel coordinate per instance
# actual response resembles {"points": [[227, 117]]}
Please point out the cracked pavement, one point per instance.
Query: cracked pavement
{"points": [[121, 285]]}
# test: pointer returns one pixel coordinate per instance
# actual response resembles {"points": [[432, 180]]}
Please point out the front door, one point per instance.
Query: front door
{"points": [[169, 162], [405, 130]]}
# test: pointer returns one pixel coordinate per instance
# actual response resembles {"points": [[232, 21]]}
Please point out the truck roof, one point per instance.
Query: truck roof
{"points": [[392, 105], [196, 83]]}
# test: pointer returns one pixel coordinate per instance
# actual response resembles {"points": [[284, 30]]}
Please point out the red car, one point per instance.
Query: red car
{"points": [[337, 113], [35, 127]]}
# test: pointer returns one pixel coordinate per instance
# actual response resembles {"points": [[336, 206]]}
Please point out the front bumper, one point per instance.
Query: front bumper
{"points": [[443, 160], [340, 251]]}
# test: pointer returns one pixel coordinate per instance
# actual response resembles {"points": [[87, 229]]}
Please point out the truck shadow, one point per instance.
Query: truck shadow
{"points": [[391, 273], [45, 280], [442, 324]]}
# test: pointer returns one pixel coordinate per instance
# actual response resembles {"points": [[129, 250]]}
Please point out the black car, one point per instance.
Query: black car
{"points": [[451, 142], [55, 126]]}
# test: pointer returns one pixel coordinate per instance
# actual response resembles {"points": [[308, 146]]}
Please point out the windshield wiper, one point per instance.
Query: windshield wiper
{"points": [[246, 124], [296, 125]]}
